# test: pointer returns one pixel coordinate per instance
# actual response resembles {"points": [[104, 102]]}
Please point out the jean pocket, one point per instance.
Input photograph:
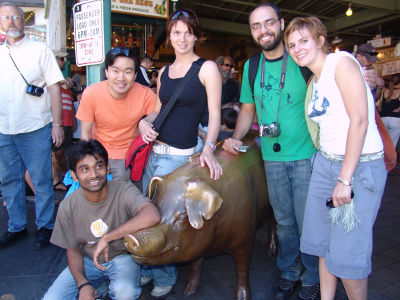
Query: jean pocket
{"points": [[366, 179]]}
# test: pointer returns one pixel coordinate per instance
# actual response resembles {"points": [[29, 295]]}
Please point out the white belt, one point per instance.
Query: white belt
{"points": [[168, 150]]}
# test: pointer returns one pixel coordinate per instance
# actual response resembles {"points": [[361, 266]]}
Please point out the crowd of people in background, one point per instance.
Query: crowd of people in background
{"points": [[322, 144]]}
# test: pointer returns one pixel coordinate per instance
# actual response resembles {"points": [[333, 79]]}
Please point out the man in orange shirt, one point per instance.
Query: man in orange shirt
{"points": [[111, 109]]}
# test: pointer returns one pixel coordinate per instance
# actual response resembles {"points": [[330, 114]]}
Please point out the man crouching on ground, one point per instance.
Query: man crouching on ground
{"points": [[91, 224]]}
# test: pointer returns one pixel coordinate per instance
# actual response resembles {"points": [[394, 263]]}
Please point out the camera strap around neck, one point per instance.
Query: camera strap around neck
{"points": [[20, 71], [281, 82]]}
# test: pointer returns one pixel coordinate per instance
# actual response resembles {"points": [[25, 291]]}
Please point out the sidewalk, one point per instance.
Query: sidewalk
{"points": [[27, 273]]}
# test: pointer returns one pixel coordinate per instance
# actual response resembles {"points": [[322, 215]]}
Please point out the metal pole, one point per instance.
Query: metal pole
{"points": [[95, 73]]}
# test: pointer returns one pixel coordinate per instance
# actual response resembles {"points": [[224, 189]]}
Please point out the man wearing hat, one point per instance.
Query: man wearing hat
{"points": [[366, 55], [30, 118]]}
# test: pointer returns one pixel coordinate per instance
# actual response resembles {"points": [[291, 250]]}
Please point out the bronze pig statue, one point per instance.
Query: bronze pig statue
{"points": [[202, 217]]}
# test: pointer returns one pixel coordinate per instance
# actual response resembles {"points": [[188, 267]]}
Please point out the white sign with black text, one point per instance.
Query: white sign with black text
{"points": [[89, 32]]}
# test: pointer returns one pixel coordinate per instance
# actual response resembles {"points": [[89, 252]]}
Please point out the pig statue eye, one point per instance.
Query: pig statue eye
{"points": [[180, 220]]}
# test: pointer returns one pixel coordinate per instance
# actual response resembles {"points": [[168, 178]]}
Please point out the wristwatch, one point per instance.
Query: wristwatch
{"points": [[211, 144]]}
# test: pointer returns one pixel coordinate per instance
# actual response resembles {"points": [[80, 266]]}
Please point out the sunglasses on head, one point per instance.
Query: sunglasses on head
{"points": [[178, 13], [228, 65], [124, 50]]}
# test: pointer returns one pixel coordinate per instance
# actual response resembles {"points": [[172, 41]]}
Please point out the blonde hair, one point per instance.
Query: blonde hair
{"points": [[314, 25]]}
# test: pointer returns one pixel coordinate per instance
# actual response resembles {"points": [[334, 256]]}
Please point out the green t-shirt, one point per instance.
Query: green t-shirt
{"points": [[294, 139]]}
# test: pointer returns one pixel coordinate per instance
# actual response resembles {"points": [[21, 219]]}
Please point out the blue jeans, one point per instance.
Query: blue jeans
{"points": [[159, 165], [20, 152], [287, 189], [122, 273]]}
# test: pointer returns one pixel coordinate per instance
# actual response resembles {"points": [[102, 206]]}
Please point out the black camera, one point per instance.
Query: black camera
{"points": [[270, 130], [34, 90]]}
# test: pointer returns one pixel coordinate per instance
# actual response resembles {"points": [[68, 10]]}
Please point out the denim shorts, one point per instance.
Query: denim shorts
{"points": [[347, 254]]}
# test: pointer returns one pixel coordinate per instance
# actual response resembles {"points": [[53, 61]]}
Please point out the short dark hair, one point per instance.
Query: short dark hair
{"points": [[192, 22], [83, 148], [268, 4], [121, 51], [229, 117]]}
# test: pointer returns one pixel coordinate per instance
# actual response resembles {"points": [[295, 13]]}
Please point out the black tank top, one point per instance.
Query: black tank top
{"points": [[388, 107], [180, 127]]}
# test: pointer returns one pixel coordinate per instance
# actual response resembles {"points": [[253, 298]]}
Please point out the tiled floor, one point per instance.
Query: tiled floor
{"points": [[27, 273]]}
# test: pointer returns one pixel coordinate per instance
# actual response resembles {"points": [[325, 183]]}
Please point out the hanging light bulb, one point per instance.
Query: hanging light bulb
{"points": [[349, 11]]}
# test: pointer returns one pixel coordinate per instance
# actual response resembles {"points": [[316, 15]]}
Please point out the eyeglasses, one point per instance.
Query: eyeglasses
{"points": [[15, 18], [227, 65], [329, 201], [178, 13], [266, 24], [124, 50], [61, 58]]}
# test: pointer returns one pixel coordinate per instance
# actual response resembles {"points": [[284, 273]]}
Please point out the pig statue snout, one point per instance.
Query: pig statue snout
{"points": [[146, 242]]}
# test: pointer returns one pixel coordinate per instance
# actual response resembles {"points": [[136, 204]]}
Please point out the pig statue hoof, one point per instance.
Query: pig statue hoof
{"points": [[191, 286], [273, 250]]}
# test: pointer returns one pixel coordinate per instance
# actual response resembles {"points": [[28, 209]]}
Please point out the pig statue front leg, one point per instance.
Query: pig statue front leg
{"points": [[193, 280], [242, 258]]}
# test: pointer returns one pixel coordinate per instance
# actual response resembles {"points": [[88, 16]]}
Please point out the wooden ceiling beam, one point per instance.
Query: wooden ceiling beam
{"points": [[362, 17], [223, 26]]}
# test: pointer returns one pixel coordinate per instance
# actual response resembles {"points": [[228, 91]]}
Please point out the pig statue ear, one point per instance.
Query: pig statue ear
{"points": [[152, 188], [200, 201]]}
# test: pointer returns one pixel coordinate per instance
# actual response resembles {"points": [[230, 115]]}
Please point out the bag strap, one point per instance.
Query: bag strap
{"points": [[196, 65]]}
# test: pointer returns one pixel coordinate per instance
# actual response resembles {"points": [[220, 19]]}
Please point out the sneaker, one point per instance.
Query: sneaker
{"points": [[42, 238], [309, 292], [144, 280], [161, 291], [284, 289], [10, 237]]}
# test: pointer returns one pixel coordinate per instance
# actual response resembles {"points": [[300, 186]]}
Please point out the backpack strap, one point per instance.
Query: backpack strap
{"points": [[254, 61], [306, 74]]}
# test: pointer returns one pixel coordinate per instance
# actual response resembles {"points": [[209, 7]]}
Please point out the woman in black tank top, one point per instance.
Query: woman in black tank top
{"points": [[204, 89], [176, 140]]}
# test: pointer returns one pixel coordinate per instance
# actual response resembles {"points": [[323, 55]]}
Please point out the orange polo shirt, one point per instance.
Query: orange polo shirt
{"points": [[115, 120]]}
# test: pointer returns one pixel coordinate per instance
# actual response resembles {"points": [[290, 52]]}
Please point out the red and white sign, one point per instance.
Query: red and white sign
{"points": [[89, 32]]}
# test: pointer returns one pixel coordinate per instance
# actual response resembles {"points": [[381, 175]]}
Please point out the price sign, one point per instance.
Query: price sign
{"points": [[89, 32]]}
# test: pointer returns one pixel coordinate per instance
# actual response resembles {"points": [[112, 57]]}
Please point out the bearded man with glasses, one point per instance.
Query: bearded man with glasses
{"points": [[114, 107], [30, 118], [286, 146]]}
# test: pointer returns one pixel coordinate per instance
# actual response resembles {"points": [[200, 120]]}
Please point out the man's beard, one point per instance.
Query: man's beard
{"points": [[273, 44], [14, 33], [226, 74]]}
